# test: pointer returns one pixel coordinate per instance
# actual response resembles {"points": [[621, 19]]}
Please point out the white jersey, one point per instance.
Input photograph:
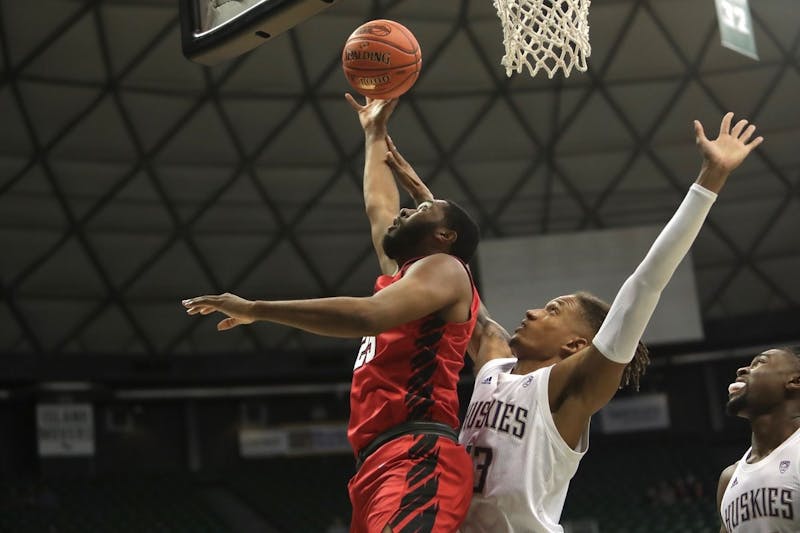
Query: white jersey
{"points": [[764, 497], [522, 465]]}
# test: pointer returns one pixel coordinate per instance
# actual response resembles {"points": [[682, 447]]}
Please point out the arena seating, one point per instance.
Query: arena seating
{"points": [[649, 487], [163, 504], [297, 494]]}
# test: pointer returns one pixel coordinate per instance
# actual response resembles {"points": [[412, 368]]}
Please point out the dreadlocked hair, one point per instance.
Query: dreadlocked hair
{"points": [[594, 311]]}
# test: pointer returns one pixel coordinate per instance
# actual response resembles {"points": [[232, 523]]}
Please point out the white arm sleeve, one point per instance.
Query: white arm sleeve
{"points": [[619, 335]]}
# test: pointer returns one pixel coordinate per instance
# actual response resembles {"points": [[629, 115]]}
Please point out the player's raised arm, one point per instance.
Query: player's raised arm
{"points": [[406, 176], [434, 284], [583, 383], [381, 197], [489, 341]]}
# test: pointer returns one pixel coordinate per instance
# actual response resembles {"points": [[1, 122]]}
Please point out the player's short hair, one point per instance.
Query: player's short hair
{"points": [[791, 350], [594, 311], [794, 350], [468, 234]]}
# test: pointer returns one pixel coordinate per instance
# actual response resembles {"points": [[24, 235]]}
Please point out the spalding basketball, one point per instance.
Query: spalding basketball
{"points": [[381, 59]]}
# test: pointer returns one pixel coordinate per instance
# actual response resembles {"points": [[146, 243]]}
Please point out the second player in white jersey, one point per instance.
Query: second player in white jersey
{"points": [[522, 465], [761, 492], [765, 496]]}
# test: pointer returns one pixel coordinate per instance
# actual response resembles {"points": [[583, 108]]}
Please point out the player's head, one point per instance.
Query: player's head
{"points": [[438, 226], [566, 325], [764, 386]]}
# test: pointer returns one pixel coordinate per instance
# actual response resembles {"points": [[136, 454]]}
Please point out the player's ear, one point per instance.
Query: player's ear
{"points": [[447, 236], [574, 346], [794, 382]]}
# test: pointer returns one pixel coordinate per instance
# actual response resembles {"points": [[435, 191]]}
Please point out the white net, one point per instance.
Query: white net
{"points": [[545, 34]]}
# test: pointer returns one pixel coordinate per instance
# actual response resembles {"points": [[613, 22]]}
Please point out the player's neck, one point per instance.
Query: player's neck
{"points": [[424, 251], [526, 366], [770, 430]]}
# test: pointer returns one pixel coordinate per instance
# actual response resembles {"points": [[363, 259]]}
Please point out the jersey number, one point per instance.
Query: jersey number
{"points": [[481, 460], [366, 352]]}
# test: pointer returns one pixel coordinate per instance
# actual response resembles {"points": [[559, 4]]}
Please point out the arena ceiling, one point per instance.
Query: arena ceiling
{"points": [[131, 178]]}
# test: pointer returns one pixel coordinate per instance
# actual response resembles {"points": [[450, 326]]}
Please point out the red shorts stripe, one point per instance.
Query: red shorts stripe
{"points": [[415, 483]]}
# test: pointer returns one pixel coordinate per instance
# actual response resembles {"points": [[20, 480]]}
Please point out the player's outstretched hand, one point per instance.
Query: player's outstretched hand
{"points": [[405, 174], [725, 153], [238, 309], [374, 114]]}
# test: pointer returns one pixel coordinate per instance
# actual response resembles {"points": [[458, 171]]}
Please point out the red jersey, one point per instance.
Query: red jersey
{"points": [[409, 372]]}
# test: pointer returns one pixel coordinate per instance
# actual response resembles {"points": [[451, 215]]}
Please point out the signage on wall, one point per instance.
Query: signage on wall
{"points": [[65, 429]]}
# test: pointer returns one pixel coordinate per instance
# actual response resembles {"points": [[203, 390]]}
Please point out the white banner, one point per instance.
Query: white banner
{"points": [[65, 430], [635, 413], [263, 442], [294, 440]]}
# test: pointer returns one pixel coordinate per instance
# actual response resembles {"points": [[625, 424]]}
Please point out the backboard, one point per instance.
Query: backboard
{"points": [[213, 31]]}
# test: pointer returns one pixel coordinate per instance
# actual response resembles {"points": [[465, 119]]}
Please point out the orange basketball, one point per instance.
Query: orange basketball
{"points": [[381, 59]]}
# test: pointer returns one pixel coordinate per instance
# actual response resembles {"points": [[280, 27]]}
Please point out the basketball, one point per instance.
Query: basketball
{"points": [[381, 59]]}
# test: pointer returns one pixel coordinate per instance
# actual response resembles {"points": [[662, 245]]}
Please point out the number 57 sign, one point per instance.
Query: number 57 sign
{"points": [[736, 27]]}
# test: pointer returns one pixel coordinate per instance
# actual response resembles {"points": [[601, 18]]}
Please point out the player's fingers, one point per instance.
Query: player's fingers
{"points": [[725, 125], [395, 152], [392, 104], [228, 323], [755, 142], [207, 310], [393, 149], [699, 132], [748, 133], [197, 300], [737, 129], [352, 101]]}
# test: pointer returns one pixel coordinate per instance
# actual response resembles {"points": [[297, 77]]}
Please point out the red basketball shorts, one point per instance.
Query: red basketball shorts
{"points": [[414, 483]]}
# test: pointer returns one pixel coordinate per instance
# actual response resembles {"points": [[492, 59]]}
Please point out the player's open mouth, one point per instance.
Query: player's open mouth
{"points": [[736, 387]]}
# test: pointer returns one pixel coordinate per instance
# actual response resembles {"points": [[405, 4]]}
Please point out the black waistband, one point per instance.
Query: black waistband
{"points": [[413, 427]]}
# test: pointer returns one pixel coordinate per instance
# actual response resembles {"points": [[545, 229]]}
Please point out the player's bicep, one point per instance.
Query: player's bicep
{"points": [[724, 479]]}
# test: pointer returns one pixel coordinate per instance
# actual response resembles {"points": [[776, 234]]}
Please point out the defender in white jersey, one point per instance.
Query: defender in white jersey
{"points": [[524, 488], [527, 423], [760, 493]]}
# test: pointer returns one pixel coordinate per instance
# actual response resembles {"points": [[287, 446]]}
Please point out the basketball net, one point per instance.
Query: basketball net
{"points": [[545, 34]]}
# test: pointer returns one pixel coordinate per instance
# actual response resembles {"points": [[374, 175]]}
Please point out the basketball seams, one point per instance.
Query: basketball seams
{"points": [[412, 40], [385, 68], [373, 39]]}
